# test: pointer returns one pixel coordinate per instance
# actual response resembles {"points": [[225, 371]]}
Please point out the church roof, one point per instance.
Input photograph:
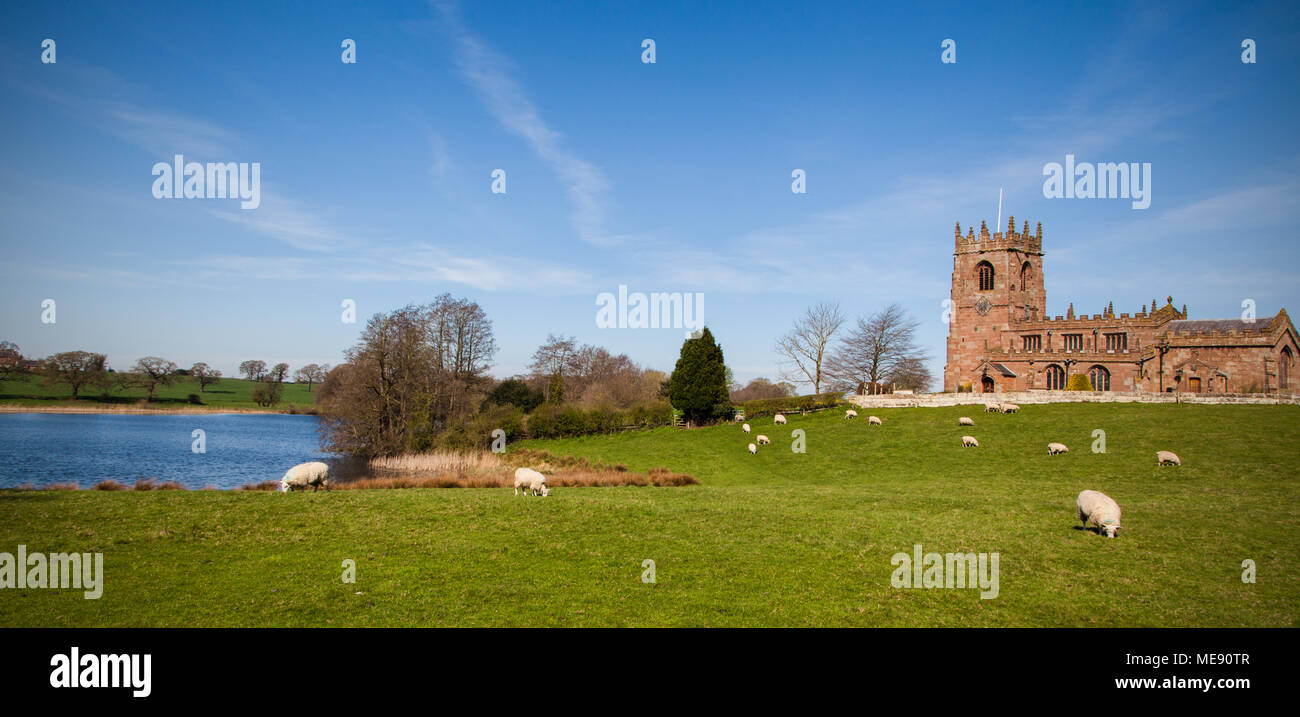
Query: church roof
{"points": [[1197, 326]]}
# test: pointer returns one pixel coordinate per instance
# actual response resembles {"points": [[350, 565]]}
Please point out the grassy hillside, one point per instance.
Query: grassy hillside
{"points": [[228, 393], [774, 539]]}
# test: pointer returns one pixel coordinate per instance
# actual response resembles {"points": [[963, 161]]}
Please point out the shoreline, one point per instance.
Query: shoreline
{"points": [[12, 408]]}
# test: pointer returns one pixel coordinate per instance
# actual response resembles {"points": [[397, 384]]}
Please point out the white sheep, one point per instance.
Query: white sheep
{"points": [[965, 421], [1167, 458], [1100, 509], [993, 408], [314, 474], [1054, 448], [763, 440], [531, 481], [873, 421], [850, 413], [779, 420], [745, 427], [1010, 408], [753, 448], [969, 442]]}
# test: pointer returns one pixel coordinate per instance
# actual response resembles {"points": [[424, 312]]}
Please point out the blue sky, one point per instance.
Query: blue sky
{"points": [[673, 176]]}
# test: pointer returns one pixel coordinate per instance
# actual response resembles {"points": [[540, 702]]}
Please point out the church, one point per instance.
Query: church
{"points": [[1000, 337]]}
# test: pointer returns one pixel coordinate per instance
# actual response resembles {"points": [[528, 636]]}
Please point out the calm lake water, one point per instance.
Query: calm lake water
{"points": [[45, 448]]}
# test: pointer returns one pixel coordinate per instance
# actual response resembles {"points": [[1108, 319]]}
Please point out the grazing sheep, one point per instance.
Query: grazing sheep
{"points": [[745, 427], [965, 421], [850, 413], [969, 442], [1167, 458], [873, 420], [763, 440], [314, 474], [1100, 509], [1010, 408], [779, 420], [753, 448], [992, 408], [531, 481], [1054, 448]]}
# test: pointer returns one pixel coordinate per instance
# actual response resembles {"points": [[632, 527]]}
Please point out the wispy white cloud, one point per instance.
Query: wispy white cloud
{"points": [[490, 74], [291, 222]]}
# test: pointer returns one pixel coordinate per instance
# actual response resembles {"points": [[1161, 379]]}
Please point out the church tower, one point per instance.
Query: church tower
{"points": [[997, 281]]}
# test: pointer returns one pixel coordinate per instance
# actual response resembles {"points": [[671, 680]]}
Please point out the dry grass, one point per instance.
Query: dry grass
{"points": [[109, 485], [264, 485], [62, 486], [490, 470]]}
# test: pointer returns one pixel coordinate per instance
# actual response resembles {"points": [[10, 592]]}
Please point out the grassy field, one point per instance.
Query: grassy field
{"points": [[226, 394], [775, 539]]}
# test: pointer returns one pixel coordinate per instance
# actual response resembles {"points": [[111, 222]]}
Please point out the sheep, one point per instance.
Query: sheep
{"points": [[873, 421], [1054, 448], [763, 440], [779, 420], [850, 413], [1167, 458], [969, 442], [993, 408], [753, 449], [965, 421], [531, 481], [745, 427], [1010, 408], [1100, 509], [314, 474]]}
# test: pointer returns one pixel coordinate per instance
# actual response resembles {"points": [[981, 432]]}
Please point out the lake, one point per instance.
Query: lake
{"points": [[45, 448]]}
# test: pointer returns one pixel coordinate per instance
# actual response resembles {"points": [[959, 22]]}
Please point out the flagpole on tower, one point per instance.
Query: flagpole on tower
{"points": [[995, 226]]}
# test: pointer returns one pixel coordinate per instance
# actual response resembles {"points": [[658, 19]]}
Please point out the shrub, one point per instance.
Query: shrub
{"points": [[1078, 382], [194, 398], [767, 407]]}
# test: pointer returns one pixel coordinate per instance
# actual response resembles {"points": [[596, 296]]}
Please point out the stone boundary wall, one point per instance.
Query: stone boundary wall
{"points": [[1029, 397]]}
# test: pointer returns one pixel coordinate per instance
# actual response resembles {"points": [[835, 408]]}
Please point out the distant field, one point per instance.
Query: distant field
{"points": [[774, 539], [228, 393]]}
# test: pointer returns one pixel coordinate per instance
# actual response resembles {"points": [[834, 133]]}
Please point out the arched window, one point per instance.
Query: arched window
{"points": [[985, 271], [1284, 368], [1055, 378], [1026, 274], [1100, 378]]}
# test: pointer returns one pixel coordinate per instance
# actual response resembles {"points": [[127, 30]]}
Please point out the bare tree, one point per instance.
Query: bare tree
{"points": [[151, 372], [278, 373], [77, 369], [551, 362], [876, 350], [253, 370], [803, 349], [311, 374], [205, 375]]}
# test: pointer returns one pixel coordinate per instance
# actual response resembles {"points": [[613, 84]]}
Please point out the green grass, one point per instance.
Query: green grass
{"points": [[227, 393], [774, 539]]}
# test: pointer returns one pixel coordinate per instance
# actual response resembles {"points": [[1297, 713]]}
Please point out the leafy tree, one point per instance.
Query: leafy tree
{"points": [[698, 385], [514, 392], [205, 375], [266, 393], [253, 370], [151, 372], [77, 369]]}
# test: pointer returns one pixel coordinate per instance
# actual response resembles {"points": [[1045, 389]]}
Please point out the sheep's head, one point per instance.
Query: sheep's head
{"points": [[1110, 529], [545, 491], [284, 486]]}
